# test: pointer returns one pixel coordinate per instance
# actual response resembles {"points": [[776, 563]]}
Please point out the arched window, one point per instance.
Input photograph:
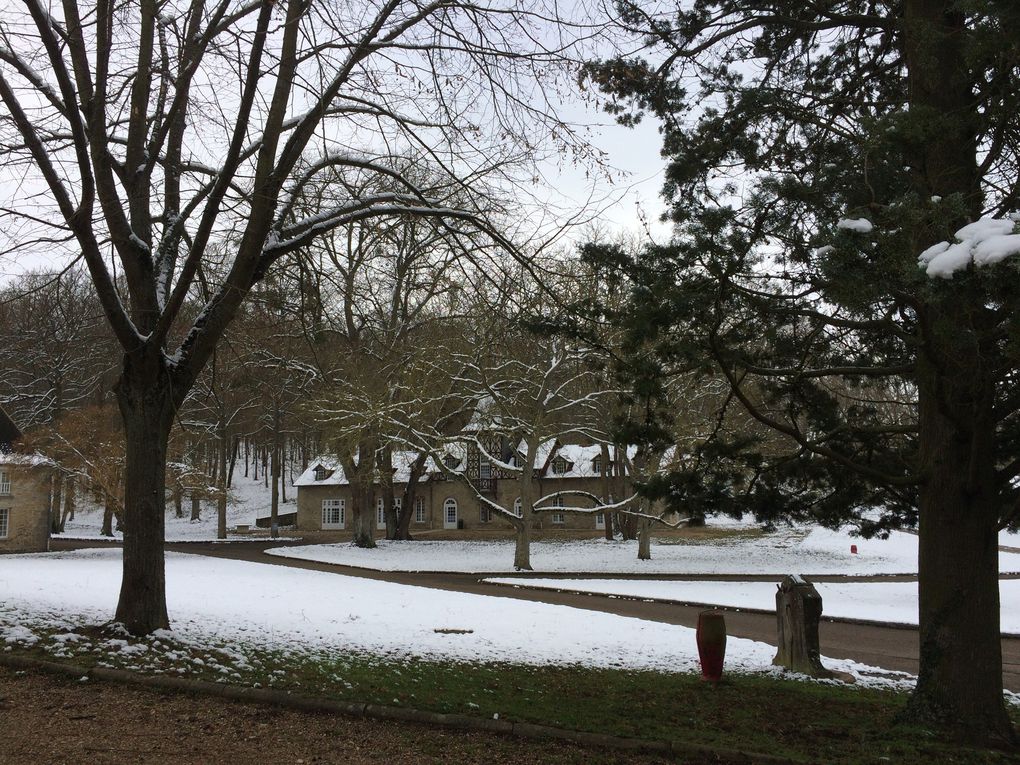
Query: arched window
{"points": [[518, 507], [450, 513]]}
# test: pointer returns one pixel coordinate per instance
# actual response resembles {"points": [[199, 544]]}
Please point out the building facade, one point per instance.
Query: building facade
{"points": [[445, 500], [24, 503]]}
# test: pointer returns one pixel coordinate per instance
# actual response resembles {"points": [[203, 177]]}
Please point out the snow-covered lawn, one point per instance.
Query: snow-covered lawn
{"points": [[251, 603], [786, 551], [248, 500], [876, 601]]}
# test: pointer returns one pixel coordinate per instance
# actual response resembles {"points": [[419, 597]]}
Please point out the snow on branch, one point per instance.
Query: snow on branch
{"points": [[983, 243]]}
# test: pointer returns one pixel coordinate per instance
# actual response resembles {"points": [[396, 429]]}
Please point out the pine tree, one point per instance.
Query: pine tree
{"points": [[815, 150]]}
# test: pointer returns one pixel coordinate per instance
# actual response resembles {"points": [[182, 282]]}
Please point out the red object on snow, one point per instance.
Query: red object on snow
{"points": [[711, 637], [853, 549]]}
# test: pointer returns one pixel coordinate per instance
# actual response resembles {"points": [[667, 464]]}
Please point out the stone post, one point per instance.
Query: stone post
{"points": [[798, 611]]}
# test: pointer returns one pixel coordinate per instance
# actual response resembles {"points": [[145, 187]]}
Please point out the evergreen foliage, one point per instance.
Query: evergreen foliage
{"points": [[814, 151]]}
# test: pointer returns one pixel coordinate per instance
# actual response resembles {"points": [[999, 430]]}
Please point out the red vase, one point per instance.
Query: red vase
{"points": [[711, 637]]}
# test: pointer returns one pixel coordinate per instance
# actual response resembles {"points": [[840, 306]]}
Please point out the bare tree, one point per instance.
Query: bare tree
{"points": [[55, 351], [149, 132]]}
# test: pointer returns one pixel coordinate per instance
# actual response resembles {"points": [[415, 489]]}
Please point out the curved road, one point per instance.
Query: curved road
{"points": [[894, 648]]}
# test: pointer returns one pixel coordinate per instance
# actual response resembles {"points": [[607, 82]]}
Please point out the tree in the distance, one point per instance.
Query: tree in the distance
{"points": [[814, 153]]}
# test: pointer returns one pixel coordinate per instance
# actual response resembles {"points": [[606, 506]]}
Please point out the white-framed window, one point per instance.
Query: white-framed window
{"points": [[558, 518], [320, 473], [334, 513], [450, 513], [380, 514], [419, 510], [5, 483], [518, 507], [5, 521], [596, 465], [600, 520], [484, 468], [560, 466]]}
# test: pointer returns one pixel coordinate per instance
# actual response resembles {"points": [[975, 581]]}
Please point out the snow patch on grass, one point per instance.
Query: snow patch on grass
{"points": [[796, 550], [223, 602]]}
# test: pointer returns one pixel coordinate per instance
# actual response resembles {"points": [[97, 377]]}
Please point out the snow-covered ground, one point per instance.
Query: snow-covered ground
{"points": [[786, 551], [247, 500], [249, 603], [876, 601]]}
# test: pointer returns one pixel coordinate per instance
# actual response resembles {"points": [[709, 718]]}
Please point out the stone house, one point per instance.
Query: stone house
{"points": [[446, 502], [24, 495]]}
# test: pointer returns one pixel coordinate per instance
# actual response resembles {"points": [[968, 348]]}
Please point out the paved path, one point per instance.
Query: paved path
{"points": [[893, 648]]}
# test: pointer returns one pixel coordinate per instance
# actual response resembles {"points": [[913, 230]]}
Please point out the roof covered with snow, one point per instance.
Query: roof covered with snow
{"points": [[13, 459], [335, 476], [580, 461]]}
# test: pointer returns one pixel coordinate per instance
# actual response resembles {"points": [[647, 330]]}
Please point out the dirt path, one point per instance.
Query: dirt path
{"points": [[888, 647], [45, 719]]}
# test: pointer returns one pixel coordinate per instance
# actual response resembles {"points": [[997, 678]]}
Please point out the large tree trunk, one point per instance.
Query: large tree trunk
{"points": [[522, 542], [364, 514], [196, 505], [68, 512], [274, 502], [410, 495], [147, 409], [221, 478], [644, 529], [233, 461], [55, 502], [522, 546], [360, 470], [107, 529], [960, 681]]}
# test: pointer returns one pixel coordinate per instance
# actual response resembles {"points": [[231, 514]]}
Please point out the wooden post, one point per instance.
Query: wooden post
{"points": [[798, 612]]}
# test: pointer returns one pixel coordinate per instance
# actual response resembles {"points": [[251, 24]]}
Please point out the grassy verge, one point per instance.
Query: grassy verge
{"points": [[805, 722]]}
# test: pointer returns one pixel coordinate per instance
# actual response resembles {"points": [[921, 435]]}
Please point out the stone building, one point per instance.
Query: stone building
{"points": [[444, 500], [24, 495]]}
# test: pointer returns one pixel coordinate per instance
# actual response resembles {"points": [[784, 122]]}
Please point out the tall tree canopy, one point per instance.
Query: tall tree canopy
{"points": [[815, 151]]}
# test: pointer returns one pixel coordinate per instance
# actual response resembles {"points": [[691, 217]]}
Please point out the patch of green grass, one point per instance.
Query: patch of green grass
{"points": [[803, 721]]}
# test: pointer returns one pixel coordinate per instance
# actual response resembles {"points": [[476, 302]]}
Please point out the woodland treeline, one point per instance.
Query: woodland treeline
{"points": [[384, 339]]}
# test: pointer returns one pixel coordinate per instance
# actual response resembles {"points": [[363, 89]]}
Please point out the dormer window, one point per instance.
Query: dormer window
{"points": [[596, 466], [560, 466], [321, 473], [450, 461]]}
